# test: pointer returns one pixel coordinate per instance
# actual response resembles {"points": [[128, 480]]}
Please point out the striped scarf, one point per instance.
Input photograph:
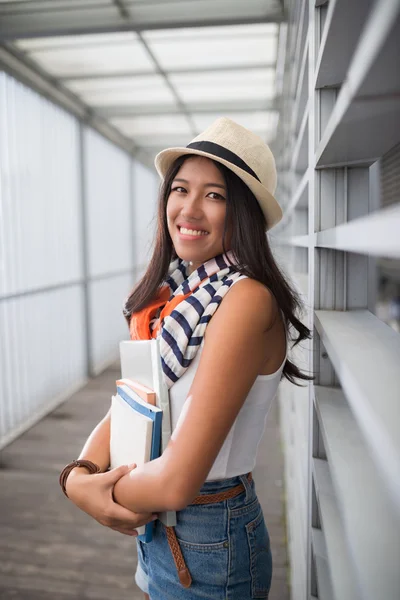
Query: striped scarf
{"points": [[182, 310]]}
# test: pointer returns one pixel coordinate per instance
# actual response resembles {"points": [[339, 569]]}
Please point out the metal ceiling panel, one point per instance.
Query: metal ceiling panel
{"points": [[225, 85], [20, 6], [123, 91], [114, 111], [155, 143], [156, 70], [76, 41], [201, 10], [259, 29], [261, 122], [123, 82], [214, 51], [154, 125], [93, 59], [115, 98], [21, 19], [49, 19], [151, 95]]}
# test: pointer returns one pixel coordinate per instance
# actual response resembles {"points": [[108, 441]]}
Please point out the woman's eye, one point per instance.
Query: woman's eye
{"points": [[216, 196], [178, 189]]}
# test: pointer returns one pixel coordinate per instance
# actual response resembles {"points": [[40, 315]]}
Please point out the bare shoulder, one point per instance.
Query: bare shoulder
{"points": [[251, 302]]}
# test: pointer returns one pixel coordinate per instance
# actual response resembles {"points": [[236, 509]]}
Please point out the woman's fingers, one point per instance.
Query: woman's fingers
{"points": [[120, 516], [103, 508], [111, 477], [137, 521], [92, 494], [130, 532]]}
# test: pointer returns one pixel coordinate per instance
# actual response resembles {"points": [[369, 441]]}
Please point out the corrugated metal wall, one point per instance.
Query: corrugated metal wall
{"points": [[340, 114], [68, 252], [145, 188], [109, 235]]}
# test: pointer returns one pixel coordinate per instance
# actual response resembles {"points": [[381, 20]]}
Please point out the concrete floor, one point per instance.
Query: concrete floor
{"points": [[51, 550]]}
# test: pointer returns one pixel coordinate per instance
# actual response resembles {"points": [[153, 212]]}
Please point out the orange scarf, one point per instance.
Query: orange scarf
{"points": [[140, 323]]}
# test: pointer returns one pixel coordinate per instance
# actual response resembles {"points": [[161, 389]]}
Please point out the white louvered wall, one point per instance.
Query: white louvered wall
{"points": [[109, 242], [145, 189], [42, 357], [68, 244], [338, 133]]}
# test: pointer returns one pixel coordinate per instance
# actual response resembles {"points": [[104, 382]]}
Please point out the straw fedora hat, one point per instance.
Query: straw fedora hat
{"points": [[243, 152]]}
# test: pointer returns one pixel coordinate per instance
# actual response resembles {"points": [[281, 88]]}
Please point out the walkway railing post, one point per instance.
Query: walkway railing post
{"points": [[85, 253]]}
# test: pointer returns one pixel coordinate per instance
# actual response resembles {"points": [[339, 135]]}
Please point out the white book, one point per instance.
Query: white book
{"points": [[141, 361], [135, 435], [130, 435]]}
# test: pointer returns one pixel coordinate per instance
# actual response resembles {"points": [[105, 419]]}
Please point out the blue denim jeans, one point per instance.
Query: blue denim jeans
{"points": [[225, 545]]}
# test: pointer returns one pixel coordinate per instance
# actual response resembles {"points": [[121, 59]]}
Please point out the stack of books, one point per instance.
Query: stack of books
{"points": [[140, 416]]}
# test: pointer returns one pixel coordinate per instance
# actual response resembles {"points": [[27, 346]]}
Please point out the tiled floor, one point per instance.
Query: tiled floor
{"points": [[51, 550]]}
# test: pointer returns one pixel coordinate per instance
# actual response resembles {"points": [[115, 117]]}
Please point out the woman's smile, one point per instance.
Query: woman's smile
{"points": [[189, 232]]}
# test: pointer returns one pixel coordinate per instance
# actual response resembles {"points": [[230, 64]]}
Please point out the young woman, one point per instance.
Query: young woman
{"points": [[222, 368]]}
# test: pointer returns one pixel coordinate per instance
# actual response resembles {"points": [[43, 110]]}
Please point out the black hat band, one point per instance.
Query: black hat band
{"points": [[221, 152]]}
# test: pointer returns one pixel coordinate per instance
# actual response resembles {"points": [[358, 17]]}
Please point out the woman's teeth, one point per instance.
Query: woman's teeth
{"points": [[192, 231]]}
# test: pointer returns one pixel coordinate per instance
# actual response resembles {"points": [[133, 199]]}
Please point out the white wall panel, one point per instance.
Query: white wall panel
{"points": [[42, 357], [107, 198], [145, 194], [341, 474], [68, 237], [107, 323], [40, 241]]}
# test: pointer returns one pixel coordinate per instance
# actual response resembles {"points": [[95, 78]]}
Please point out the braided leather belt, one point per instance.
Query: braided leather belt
{"points": [[183, 572]]}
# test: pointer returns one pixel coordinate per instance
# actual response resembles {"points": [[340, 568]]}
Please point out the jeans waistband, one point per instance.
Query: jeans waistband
{"points": [[211, 487]]}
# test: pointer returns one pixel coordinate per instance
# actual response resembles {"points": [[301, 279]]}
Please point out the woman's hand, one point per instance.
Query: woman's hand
{"points": [[93, 494]]}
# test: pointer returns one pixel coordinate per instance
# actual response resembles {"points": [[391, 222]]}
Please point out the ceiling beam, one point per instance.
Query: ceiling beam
{"points": [[176, 71], [70, 23], [110, 112], [120, 6]]}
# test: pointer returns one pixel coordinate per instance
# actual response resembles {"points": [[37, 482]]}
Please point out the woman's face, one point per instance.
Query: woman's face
{"points": [[196, 210]]}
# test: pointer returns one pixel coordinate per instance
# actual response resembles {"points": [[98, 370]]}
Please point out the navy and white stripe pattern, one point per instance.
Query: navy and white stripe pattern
{"points": [[183, 330]]}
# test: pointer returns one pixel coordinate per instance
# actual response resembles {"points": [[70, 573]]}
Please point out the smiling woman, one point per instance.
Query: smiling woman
{"points": [[212, 292]]}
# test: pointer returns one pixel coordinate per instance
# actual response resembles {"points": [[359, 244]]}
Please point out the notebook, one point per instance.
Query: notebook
{"points": [[135, 434], [141, 362]]}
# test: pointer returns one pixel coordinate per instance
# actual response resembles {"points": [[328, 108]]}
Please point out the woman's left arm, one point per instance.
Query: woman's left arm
{"points": [[237, 346]]}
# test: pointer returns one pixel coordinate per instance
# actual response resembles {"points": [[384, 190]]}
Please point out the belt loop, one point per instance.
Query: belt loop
{"points": [[246, 484]]}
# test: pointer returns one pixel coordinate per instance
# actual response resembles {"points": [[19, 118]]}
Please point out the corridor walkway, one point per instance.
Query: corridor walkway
{"points": [[49, 550]]}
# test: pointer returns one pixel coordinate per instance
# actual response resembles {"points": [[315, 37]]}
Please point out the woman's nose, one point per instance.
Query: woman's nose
{"points": [[192, 206]]}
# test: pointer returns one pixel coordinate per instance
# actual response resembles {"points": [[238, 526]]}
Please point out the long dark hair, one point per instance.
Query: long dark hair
{"points": [[251, 251]]}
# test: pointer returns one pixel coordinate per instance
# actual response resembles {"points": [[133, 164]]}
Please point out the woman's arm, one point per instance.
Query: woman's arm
{"points": [[236, 348], [97, 446], [97, 449], [94, 493]]}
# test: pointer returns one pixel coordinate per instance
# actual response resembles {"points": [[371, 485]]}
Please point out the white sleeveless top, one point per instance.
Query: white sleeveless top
{"points": [[239, 451]]}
